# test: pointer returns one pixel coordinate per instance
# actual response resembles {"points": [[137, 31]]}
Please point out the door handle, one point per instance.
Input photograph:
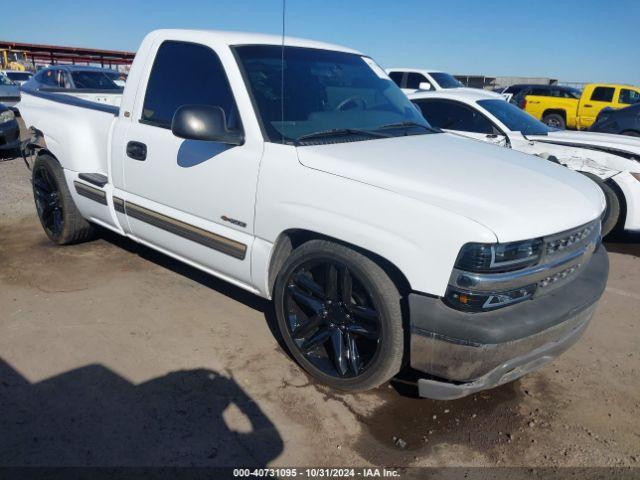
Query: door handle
{"points": [[137, 151], [588, 106]]}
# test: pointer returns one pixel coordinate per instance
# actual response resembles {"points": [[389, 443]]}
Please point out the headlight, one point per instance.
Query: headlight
{"points": [[499, 257], [486, 260], [6, 116]]}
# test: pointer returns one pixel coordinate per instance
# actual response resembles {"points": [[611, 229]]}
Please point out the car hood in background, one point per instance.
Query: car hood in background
{"points": [[477, 91], [515, 195], [606, 140]]}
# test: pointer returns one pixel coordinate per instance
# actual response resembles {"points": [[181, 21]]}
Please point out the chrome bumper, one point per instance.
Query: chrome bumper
{"points": [[507, 361], [463, 353]]}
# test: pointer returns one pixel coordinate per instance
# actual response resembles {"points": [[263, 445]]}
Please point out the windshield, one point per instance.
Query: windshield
{"points": [[93, 80], [514, 119], [4, 80], [324, 91], [445, 80], [19, 76]]}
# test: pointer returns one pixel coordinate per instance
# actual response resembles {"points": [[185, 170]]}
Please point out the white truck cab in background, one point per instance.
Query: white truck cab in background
{"points": [[382, 242], [412, 80]]}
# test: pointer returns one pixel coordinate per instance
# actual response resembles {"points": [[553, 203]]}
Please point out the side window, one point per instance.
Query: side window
{"points": [[396, 77], [454, 116], [199, 79], [602, 94], [543, 92], [629, 97], [415, 79], [51, 78]]}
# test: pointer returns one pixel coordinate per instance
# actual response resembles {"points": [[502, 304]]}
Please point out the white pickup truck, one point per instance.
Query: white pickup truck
{"points": [[303, 174]]}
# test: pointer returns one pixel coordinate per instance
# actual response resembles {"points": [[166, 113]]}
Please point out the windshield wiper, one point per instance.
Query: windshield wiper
{"points": [[339, 131], [408, 125]]}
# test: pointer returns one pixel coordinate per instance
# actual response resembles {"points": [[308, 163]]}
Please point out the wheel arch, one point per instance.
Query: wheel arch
{"points": [[292, 238]]}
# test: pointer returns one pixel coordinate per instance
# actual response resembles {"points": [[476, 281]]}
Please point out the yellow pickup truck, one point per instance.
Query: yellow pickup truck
{"points": [[562, 107]]}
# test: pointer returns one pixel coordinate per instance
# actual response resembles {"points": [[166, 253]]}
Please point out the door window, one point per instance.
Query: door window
{"points": [[186, 74], [541, 91], [629, 97], [396, 77], [53, 78], [415, 79], [602, 94], [451, 115]]}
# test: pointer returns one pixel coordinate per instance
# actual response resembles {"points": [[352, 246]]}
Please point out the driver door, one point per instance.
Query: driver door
{"points": [[192, 199]]}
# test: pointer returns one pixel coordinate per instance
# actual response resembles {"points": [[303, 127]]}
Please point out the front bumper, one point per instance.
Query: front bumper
{"points": [[463, 353], [9, 136]]}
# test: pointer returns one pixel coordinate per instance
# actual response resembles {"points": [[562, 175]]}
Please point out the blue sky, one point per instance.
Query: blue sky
{"points": [[572, 40]]}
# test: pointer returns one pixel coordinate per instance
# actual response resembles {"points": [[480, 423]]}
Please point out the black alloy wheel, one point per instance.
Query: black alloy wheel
{"points": [[331, 318], [60, 218]]}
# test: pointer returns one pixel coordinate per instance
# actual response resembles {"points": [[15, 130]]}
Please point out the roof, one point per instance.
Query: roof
{"points": [[414, 70], [232, 38], [464, 95], [612, 85], [78, 68]]}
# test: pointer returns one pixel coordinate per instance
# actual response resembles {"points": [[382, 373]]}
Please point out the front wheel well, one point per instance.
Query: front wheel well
{"points": [[291, 239]]}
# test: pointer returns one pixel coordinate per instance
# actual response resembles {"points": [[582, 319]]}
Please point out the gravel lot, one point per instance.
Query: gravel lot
{"points": [[112, 354]]}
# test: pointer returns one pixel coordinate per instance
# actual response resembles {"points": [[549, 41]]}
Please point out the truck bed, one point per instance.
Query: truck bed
{"points": [[76, 127]]}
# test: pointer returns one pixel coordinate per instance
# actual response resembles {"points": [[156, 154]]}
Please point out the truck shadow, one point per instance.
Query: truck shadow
{"points": [[91, 416], [626, 243], [236, 293]]}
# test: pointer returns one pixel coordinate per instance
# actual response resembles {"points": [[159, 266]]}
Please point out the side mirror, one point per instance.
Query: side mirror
{"points": [[424, 86], [204, 122]]}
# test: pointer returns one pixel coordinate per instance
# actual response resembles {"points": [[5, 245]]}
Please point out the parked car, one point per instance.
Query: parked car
{"points": [[9, 91], [511, 91], [331, 195], [568, 109], [625, 121], [613, 162], [9, 132], [411, 80], [16, 76], [79, 81]]}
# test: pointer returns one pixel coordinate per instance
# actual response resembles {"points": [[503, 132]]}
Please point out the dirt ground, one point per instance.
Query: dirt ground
{"points": [[112, 354]]}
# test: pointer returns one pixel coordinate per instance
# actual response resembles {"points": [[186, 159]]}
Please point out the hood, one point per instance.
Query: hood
{"points": [[606, 140], [515, 195]]}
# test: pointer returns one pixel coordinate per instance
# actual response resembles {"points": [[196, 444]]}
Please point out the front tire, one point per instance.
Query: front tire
{"points": [[339, 315], [58, 214]]}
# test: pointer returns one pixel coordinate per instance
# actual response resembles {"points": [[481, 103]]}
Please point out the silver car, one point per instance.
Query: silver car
{"points": [[9, 91]]}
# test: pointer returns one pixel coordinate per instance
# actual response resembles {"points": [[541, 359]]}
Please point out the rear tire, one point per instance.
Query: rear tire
{"points": [[322, 321], [611, 214], [58, 214], [554, 120]]}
